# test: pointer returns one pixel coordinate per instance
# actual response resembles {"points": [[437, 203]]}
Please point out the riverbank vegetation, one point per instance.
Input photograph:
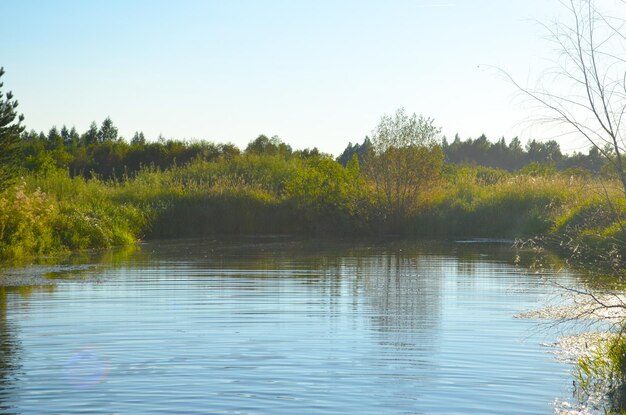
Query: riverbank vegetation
{"points": [[269, 188], [64, 191]]}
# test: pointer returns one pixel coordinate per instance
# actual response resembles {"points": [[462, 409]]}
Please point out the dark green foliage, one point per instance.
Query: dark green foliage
{"points": [[138, 139], [359, 150], [231, 212], [101, 153], [489, 176], [513, 157], [592, 162], [513, 216], [107, 132], [10, 130], [91, 135], [268, 146], [500, 155]]}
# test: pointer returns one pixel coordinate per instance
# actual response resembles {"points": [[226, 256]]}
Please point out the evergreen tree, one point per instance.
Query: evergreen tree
{"points": [[10, 129], [107, 132], [55, 139], [91, 135], [138, 138], [74, 136], [359, 149], [65, 133]]}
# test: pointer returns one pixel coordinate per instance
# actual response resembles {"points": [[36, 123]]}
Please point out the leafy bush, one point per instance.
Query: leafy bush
{"points": [[27, 222]]}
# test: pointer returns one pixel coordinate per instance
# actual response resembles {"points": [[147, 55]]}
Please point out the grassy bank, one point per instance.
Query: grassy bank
{"points": [[51, 213], [54, 214]]}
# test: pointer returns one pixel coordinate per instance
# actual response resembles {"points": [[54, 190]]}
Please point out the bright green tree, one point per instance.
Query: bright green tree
{"points": [[268, 146], [404, 159]]}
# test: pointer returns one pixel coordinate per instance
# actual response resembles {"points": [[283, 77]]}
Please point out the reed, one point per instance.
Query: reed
{"points": [[53, 212]]}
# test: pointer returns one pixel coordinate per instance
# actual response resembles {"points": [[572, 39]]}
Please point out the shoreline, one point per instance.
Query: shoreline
{"points": [[584, 346]]}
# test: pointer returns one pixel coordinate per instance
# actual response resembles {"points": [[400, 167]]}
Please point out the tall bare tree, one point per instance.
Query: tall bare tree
{"points": [[586, 91], [585, 94]]}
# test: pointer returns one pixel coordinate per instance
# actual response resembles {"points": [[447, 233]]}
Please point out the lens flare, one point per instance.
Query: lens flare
{"points": [[86, 368]]}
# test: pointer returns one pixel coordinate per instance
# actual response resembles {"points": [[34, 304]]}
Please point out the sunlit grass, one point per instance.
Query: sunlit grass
{"points": [[54, 212]]}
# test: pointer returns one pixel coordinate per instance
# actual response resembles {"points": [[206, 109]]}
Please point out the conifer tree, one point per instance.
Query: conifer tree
{"points": [[10, 129]]}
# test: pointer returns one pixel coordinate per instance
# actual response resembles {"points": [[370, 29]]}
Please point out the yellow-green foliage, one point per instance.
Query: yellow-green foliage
{"points": [[596, 212], [55, 213], [26, 222], [603, 373], [321, 186], [492, 203], [254, 193], [237, 195], [594, 226]]}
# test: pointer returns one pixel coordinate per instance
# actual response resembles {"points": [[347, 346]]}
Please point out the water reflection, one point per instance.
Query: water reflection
{"points": [[258, 326], [403, 292], [10, 345], [9, 355]]}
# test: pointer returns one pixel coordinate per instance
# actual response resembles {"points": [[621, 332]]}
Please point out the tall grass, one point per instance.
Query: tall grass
{"points": [[242, 195], [55, 213], [601, 375], [507, 206], [268, 194]]}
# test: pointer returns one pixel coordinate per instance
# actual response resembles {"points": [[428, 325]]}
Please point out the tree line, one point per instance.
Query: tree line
{"points": [[512, 156], [101, 152]]}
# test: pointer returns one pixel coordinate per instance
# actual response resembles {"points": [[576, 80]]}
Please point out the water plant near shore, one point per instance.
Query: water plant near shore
{"points": [[601, 375]]}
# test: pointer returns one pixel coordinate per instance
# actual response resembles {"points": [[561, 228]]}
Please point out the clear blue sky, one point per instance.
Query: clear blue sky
{"points": [[316, 73]]}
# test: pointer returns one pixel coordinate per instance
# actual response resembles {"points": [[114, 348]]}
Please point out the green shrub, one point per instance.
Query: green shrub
{"points": [[27, 222]]}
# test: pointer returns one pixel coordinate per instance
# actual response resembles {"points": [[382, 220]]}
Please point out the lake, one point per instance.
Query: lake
{"points": [[275, 326]]}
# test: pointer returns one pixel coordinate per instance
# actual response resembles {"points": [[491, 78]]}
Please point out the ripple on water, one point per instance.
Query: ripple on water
{"points": [[193, 327]]}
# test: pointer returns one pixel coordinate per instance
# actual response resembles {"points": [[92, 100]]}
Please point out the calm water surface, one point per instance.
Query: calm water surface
{"points": [[275, 327]]}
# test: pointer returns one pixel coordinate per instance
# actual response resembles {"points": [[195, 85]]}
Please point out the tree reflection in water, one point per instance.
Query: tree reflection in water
{"points": [[10, 347]]}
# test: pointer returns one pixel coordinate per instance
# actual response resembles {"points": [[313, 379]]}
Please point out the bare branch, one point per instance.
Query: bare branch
{"points": [[590, 68]]}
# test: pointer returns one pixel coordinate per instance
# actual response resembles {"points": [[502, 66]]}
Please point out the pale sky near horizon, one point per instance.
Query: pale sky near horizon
{"points": [[316, 73]]}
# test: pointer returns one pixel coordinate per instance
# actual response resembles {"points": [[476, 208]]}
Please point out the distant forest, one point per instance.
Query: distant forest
{"points": [[500, 155], [101, 152]]}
